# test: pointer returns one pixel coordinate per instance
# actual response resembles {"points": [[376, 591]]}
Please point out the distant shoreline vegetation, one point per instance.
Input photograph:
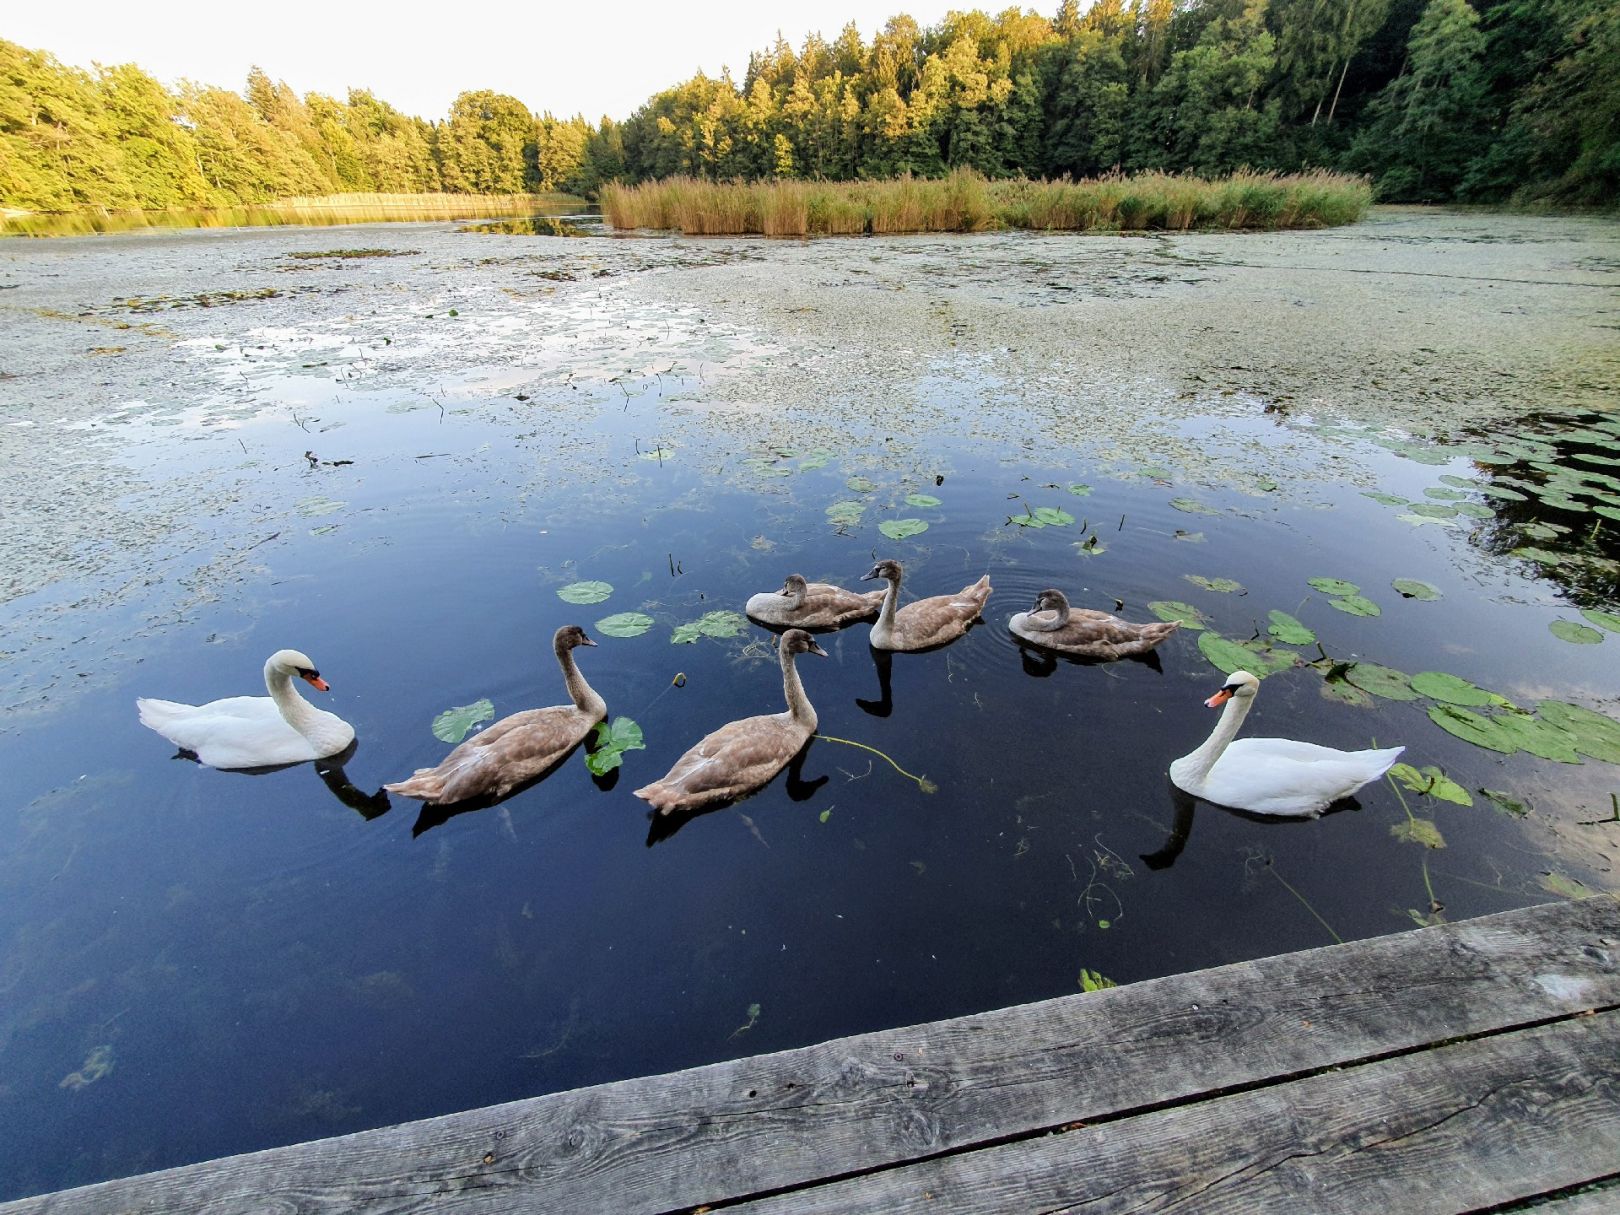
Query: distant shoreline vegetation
{"points": [[965, 201], [314, 211]]}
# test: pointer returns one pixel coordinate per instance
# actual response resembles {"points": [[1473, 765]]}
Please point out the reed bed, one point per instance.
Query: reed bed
{"points": [[967, 202]]}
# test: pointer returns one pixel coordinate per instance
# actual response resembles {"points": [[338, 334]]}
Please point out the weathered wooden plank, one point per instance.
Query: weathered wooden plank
{"points": [[1603, 1201], [756, 1125], [1472, 1125]]}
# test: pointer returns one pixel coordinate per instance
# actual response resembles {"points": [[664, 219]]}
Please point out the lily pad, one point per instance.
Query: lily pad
{"points": [[1579, 634], [921, 500], [1595, 735], [1345, 693], [1225, 586], [658, 454], [1385, 499], [452, 725], [1091, 546], [1418, 831], [1079, 489], [1192, 506], [1225, 654], [613, 739], [314, 507], [1334, 586], [1437, 685], [1539, 737], [900, 529], [585, 592], [1434, 510], [1604, 620], [1043, 516], [1414, 588], [625, 624], [819, 458], [1501, 491], [718, 624], [1471, 727], [1288, 630], [846, 514], [1356, 605], [860, 485], [1173, 609], [1417, 519], [1386, 682], [1432, 783], [1564, 887]]}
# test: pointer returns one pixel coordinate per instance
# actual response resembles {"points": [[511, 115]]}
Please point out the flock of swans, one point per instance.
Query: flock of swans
{"points": [[1271, 776]]}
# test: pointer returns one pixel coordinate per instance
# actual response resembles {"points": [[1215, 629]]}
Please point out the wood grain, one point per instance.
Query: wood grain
{"points": [[754, 1126]]}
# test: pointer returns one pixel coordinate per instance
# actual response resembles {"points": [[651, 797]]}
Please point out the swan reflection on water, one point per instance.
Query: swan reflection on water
{"points": [[662, 826], [330, 770], [1186, 805]]}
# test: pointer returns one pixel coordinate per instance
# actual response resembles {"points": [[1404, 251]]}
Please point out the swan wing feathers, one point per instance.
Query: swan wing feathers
{"points": [[1285, 777], [736, 759], [493, 762]]}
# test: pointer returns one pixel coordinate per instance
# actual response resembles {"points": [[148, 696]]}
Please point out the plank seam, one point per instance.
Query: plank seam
{"points": [[1195, 1099], [1609, 1182]]}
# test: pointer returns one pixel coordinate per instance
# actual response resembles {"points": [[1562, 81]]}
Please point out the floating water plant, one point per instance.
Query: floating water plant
{"points": [[1258, 657], [625, 624], [1604, 620], [1471, 727], [1437, 685], [922, 501], [1414, 588], [1091, 546], [1356, 605], [1431, 782], [719, 624], [1192, 506], [860, 485], [1226, 586], [1334, 586], [901, 529], [1288, 630], [584, 592], [1571, 631], [1173, 609], [452, 725], [1042, 516], [658, 454], [612, 740], [1385, 682], [846, 514], [923, 783], [1594, 734], [1079, 489], [1507, 803]]}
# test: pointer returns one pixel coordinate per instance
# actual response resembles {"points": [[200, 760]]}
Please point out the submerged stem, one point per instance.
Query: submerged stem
{"points": [[1305, 903], [923, 783]]}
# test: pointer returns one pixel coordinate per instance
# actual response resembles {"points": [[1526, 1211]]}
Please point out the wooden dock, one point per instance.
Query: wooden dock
{"points": [[1465, 1067]]}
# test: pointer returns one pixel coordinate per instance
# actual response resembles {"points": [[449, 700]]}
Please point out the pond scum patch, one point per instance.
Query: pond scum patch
{"points": [[968, 202]]}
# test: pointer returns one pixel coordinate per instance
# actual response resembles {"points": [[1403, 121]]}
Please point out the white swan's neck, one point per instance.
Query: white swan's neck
{"points": [[585, 697], [1195, 767], [295, 710], [799, 707]]}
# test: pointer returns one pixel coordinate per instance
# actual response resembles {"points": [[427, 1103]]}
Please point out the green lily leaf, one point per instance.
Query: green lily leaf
{"points": [[625, 624], [1334, 586], [718, 624], [921, 500], [1437, 685], [1595, 735], [1356, 605], [1539, 737], [1225, 654], [846, 514], [1173, 609], [1433, 782], [1386, 682], [452, 725], [584, 592], [1288, 630], [1413, 588], [860, 485], [1225, 586], [1507, 803], [1192, 506], [1604, 620], [900, 529], [1471, 727], [1580, 634], [613, 739], [1079, 489]]}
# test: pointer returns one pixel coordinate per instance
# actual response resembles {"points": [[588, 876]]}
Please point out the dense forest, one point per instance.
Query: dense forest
{"points": [[1470, 100]]}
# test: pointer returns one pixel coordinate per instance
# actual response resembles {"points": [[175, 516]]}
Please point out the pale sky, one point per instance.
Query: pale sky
{"points": [[593, 57]]}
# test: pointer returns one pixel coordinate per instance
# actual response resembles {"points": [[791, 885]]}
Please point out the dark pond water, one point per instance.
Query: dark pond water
{"points": [[198, 963]]}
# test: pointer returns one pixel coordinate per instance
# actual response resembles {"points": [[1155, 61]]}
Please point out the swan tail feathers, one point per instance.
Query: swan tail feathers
{"points": [[425, 784], [661, 797]]}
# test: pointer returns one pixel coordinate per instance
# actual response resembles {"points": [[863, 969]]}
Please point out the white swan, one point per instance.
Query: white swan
{"points": [[254, 731], [1271, 775]]}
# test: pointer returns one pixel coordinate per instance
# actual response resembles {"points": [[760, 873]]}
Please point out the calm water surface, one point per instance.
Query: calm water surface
{"points": [[197, 963]]}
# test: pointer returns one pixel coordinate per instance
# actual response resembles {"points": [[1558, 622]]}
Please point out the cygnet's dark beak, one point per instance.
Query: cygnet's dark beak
{"points": [[816, 649], [584, 640], [870, 574], [786, 590]]}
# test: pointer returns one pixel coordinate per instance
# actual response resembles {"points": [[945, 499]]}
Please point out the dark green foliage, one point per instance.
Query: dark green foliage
{"points": [[1433, 99]]}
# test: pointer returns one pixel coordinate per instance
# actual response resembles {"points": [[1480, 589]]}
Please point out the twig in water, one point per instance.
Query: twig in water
{"points": [[1303, 902], [923, 783], [1614, 816]]}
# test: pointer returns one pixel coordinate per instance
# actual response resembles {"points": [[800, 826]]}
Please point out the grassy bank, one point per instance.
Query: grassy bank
{"points": [[966, 202], [318, 211]]}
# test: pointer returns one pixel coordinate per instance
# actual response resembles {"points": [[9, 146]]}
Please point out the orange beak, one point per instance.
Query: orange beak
{"points": [[316, 682], [1219, 699]]}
